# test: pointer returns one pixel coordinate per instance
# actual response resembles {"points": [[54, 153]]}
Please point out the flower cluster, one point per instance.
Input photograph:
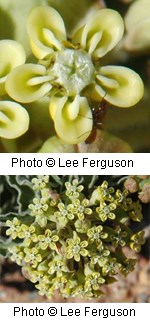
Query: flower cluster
{"points": [[69, 72], [73, 243]]}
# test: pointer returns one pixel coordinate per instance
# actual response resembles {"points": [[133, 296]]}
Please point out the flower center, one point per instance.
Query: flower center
{"points": [[73, 70], [76, 249]]}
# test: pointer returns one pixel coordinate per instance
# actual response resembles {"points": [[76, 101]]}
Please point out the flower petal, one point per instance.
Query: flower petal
{"points": [[28, 83], [46, 31], [73, 120], [12, 54], [14, 120], [101, 33], [121, 86]]}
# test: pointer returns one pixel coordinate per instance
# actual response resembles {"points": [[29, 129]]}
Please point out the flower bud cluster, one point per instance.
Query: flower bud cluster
{"points": [[140, 184], [73, 242]]}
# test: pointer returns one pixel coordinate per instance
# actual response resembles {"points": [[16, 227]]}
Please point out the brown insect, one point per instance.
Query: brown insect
{"points": [[98, 114]]}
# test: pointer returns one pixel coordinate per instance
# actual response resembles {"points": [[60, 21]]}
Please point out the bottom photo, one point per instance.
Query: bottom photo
{"points": [[75, 239]]}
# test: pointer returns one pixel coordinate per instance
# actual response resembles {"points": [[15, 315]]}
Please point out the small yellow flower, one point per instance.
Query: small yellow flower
{"points": [[14, 227], [75, 248]]}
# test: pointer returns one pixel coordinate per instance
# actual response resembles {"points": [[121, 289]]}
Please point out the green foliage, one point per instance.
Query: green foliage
{"points": [[72, 234]]}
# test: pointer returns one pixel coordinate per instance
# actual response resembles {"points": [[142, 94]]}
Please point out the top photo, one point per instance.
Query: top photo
{"points": [[74, 76]]}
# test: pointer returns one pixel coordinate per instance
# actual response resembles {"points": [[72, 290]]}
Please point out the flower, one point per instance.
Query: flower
{"points": [[128, 266], [111, 267], [32, 256], [80, 208], [102, 193], [93, 281], [105, 211], [76, 247], [137, 240], [38, 208], [70, 72], [95, 233], [14, 227], [40, 182], [28, 233], [17, 254], [47, 240], [135, 211], [57, 265], [118, 237], [100, 258], [45, 289], [73, 189], [64, 213]]}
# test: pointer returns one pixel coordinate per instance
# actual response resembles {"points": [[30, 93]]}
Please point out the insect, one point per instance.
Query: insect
{"points": [[98, 114]]}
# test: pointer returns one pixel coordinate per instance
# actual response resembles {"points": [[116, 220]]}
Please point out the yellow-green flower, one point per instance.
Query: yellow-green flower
{"points": [[40, 182], [64, 212], [47, 240], [70, 72], [17, 254], [45, 289], [111, 267], [28, 234], [100, 258], [75, 248], [93, 281], [32, 256], [73, 189], [118, 237], [106, 211], [137, 240], [102, 193], [38, 209], [95, 233], [80, 208], [57, 265], [14, 227]]}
